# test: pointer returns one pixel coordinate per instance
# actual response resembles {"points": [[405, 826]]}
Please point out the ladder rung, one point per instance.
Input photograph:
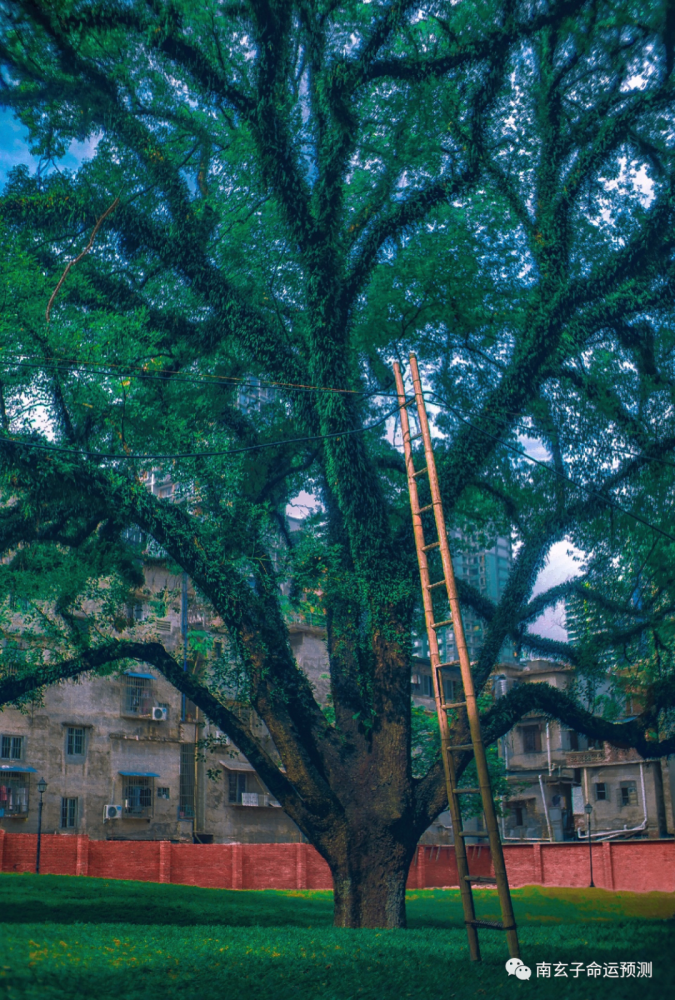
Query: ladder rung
{"points": [[415, 437], [491, 925], [454, 704], [481, 878], [470, 833], [450, 663], [461, 746], [439, 583], [467, 791], [432, 545], [448, 621], [420, 472], [423, 510]]}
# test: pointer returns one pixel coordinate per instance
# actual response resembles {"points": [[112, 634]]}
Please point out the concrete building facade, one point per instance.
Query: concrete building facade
{"points": [[554, 772]]}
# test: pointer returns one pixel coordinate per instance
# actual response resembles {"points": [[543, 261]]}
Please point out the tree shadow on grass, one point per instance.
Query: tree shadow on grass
{"points": [[66, 899]]}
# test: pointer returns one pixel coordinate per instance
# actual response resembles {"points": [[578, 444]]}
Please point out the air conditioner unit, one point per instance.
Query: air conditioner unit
{"points": [[159, 714], [112, 812]]}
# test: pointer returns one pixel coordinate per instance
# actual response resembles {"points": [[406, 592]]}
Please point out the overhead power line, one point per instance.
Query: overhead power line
{"points": [[107, 457], [114, 457], [141, 372]]}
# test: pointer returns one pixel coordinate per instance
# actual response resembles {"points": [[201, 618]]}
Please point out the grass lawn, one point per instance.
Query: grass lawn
{"points": [[92, 939]]}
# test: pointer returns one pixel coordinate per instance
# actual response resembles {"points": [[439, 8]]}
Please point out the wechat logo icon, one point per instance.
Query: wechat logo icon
{"points": [[515, 967]]}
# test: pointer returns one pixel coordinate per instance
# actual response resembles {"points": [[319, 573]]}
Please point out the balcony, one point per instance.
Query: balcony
{"points": [[577, 758]]}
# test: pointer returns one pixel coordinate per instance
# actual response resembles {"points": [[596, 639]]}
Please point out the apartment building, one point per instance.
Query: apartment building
{"points": [[555, 772], [487, 570]]}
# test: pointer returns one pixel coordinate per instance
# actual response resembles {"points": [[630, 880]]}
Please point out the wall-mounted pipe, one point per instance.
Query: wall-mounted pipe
{"points": [[543, 799]]}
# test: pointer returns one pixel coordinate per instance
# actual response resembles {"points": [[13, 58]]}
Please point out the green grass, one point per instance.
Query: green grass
{"points": [[94, 939]]}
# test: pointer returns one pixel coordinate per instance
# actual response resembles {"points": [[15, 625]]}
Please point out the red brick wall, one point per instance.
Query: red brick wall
{"points": [[645, 870], [640, 866], [208, 865], [318, 872], [134, 859]]}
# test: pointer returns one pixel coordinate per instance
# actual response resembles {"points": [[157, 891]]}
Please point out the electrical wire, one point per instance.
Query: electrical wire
{"points": [[336, 434], [68, 365], [196, 454]]}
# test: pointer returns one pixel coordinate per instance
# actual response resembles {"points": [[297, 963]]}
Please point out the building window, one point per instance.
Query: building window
{"points": [[531, 739], [600, 791], [163, 793], [11, 748], [427, 686], [75, 741], [13, 794], [452, 690], [570, 739], [237, 785], [186, 795], [518, 815], [138, 695], [68, 813], [137, 797], [627, 793]]}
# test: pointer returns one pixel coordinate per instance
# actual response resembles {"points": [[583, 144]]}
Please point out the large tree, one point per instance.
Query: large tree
{"points": [[299, 192]]}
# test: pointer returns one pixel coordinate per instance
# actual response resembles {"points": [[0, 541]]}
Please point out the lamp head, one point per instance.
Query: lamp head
{"points": [[41, 785], [588, 808]]}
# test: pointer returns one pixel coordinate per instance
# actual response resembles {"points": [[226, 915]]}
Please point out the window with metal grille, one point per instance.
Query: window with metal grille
{"points": [[600, 791], [186, 795], [237, 785], [11, 747], [137, 796], [163, 793], [531, 739], [138, 695], [13, 794], [75, 741], [627, 793], [427, 686], [68, 813]]}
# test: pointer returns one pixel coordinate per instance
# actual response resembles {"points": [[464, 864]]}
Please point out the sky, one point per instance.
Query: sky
{"points": [[561, 564]]}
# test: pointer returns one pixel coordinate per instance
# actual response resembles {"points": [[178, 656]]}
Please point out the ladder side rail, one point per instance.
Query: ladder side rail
{"points": [[448, 761], [467, 678]]}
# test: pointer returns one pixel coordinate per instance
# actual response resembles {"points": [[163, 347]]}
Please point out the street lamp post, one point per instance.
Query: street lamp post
{"points": [[42, 786], [588, 809]]}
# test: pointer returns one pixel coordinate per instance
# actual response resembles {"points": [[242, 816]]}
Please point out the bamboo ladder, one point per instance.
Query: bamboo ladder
{"points": [[469, 704]]}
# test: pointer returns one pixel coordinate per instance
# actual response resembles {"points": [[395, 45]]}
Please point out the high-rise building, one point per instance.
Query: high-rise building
{"points": [[487, 570]]}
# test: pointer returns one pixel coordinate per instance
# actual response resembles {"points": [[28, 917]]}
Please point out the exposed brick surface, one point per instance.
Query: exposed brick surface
{"points": [[318, 872], [275, 867], [208, 865], [650, 868], [58, 854], [135, 859], [639, 866], [519, 860]]}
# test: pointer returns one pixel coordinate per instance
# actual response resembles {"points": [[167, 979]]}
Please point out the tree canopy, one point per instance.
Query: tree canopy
{"points": [[297, 193]]}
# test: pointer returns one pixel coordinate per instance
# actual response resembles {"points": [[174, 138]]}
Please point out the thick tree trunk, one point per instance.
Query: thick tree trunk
{"points": [[369, 884]]}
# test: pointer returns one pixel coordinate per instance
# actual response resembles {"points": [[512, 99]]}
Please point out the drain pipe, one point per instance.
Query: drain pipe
{"points": [[543, 799], [548, 749], [644, 797]]}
